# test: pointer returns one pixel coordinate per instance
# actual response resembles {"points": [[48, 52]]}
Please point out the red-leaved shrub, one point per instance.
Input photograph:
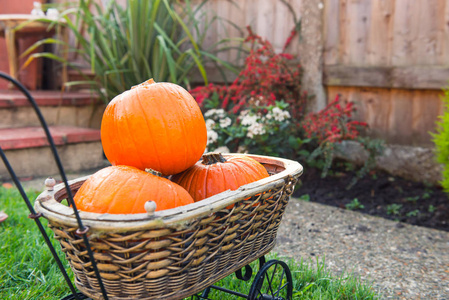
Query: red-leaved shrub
{"points": [[267, 77], [332, 124]]}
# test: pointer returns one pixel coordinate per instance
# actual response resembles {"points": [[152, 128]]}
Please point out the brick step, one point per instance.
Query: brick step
{"points": [[31, 137], [79, 109], [14, 98], [30, 156], [75, 75]]}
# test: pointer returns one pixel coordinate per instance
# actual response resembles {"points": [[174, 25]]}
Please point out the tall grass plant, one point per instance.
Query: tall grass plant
{"points": [[124, 46]]}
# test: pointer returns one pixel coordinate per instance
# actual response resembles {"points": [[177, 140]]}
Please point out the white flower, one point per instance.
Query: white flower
{"points": [[280, 115], [210, 124], [222, 149], [212, 136], [220, 113], [225, 122], [244, 113], [249, 120], [255, 129], [209, 113]]}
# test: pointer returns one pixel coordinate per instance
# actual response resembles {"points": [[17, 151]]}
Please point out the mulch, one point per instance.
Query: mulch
{"points": [[378, 194]]}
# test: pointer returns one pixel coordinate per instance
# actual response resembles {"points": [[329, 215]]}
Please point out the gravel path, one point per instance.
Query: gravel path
{"points": [[402, 261]]}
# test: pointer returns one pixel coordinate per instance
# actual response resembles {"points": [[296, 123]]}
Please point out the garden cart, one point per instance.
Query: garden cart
{"points": [[169, 254]]}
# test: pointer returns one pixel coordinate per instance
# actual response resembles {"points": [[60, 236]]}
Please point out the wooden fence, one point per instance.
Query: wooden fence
{"points": [[391, 57], [271, 19]]}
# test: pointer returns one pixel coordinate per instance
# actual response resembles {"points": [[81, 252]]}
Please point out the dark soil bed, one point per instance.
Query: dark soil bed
{"points": [[379, 194]]}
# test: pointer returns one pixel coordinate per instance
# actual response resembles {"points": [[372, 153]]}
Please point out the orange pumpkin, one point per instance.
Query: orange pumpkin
{"points": [[216, 174], [125, 190], [154, 125]]}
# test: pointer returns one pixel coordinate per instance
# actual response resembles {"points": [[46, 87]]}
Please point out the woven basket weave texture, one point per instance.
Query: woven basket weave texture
{"points": [[173, 262]]}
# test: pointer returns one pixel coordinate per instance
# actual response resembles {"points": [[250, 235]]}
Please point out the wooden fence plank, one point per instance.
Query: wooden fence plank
{"points": [[428, 41], [264, 24], [413, 77], [445, 36], [250, 13], [357, 31], [342, 75], [380, 37], [331, 31], [283, 24], [343, 35], [400, 118], [297, 5], [220, 8], [441, 107], [426, 109], [236, 15], [280, 26], [405, 31], [211, 31], [374, 107]]}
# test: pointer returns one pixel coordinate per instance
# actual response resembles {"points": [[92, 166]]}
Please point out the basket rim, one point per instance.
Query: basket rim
{"points": [[178, 218]]}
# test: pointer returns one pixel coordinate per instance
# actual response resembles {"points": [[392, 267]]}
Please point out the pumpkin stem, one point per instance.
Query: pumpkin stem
{"points": [[153, 172], [148, 82], [213, 158]]}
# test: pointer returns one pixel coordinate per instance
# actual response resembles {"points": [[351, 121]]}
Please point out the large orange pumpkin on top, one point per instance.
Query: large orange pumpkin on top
{"points": [[154, 125], [125, 190], [216, 174]]}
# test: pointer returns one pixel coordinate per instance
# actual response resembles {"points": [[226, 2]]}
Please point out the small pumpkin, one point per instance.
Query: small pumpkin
{"points": [[216, 174], [154, 125], [125, 190]]}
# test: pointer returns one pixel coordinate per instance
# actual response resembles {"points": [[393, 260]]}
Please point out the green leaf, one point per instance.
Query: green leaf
{"points": [[199, 65], [305, 197], [40, 43]]}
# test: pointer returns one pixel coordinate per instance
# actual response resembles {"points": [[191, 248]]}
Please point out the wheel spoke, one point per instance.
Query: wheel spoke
{"points": [[274, 273], [270, 282], [280, 288], [280, 282]]}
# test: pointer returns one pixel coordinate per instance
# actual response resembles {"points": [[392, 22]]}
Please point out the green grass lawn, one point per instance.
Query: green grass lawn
{"points": [[28, 271]]}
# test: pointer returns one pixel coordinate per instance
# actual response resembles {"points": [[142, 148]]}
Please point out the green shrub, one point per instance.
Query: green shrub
{"points": [[441, 141]]}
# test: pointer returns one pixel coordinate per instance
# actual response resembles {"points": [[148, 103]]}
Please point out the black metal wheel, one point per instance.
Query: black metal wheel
{"points": [[272, 282]]}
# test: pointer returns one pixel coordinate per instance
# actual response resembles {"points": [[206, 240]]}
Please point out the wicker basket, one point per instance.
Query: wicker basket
{"points": [[174, 253]]}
